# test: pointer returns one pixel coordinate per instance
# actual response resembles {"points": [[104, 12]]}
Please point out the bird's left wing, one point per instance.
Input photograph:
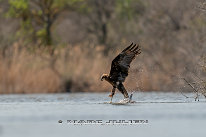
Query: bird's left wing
{"points": [[121, 64]]}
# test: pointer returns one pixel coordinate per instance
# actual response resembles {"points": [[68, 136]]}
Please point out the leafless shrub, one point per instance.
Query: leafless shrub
{"points": [[196, 82]]}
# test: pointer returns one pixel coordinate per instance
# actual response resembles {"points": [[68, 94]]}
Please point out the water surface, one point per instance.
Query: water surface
{"points": [[168, 115]]}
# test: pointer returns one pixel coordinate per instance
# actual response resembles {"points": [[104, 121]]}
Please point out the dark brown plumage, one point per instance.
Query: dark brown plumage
{"points": [[120, 67]]}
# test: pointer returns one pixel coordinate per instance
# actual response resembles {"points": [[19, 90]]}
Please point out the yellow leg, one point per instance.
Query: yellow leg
{"points": [[112, 93]]}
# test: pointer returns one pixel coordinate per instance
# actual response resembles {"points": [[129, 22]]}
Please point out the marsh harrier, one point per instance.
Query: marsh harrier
{"points": [[119, 69]]}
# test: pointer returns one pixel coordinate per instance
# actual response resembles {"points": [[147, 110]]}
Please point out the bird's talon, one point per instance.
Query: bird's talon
{"points": [[110, 96]]}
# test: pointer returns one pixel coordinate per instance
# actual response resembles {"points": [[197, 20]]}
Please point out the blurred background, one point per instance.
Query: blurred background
{"points": [[52, 46]]}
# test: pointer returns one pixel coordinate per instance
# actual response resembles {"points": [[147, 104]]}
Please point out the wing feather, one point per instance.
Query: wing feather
{"points": [[121, 64]]}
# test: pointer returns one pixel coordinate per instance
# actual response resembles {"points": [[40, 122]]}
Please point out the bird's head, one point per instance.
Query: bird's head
{"points": [[104, 76]]}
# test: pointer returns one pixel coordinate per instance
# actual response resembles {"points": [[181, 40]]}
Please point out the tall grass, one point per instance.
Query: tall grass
{"points": [[75, 68]]}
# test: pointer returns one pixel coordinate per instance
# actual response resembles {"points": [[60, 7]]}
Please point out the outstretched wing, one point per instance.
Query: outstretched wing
{"points": [[121, 64]]}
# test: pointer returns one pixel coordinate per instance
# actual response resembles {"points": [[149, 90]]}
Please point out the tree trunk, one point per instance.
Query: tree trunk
{"points": [[48, 31], [104, 34]]}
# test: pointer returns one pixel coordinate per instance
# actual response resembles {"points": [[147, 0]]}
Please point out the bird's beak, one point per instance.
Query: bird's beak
{"points": [[102, 78]]}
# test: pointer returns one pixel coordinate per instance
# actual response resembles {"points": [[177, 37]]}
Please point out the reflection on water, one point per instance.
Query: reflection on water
{"points": [[32, 115]]}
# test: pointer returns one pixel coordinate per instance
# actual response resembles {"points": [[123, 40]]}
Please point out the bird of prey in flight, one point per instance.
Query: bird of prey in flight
{"points": [[119, 70]]}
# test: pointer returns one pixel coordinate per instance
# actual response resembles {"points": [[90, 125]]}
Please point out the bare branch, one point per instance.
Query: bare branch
{"points": [[196, 91]]}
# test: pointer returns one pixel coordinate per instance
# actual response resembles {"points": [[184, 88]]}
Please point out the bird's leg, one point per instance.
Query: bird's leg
{"points": [[112, 93], [123, 90], [111, 99]]}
